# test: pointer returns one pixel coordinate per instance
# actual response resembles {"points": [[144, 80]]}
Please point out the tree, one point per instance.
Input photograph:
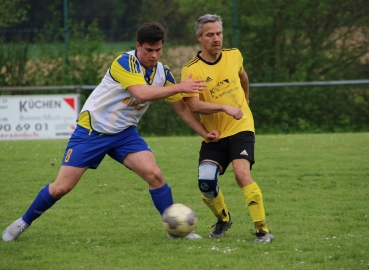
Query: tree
{"points": [[167, 13], [304, 40], [13, 12], [286, 40], [292, 41]]}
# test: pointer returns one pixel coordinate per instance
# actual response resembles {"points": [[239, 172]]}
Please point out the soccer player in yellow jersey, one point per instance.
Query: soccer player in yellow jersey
{"points": [[107, 126], [223, 106]]}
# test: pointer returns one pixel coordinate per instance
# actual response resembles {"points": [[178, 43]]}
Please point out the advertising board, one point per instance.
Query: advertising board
{"points": [[33, 117]]}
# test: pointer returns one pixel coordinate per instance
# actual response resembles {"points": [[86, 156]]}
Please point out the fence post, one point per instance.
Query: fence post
{"points": [[66, 32]]}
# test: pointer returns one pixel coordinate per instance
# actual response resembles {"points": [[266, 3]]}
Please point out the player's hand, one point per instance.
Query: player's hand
{"points": [[192, 86], [212, 135], [233, 111]]}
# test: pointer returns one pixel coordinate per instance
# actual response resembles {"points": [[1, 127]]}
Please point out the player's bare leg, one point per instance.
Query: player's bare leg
{"points": [[66, 180], [144, 164], [241, 168]]}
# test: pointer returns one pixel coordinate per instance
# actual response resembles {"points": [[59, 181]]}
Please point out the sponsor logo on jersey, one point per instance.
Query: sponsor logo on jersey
{"points": [[208, 79], [130, 102]]}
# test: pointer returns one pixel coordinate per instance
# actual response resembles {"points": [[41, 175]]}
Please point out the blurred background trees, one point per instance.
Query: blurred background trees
{"points": [[281, 41]]}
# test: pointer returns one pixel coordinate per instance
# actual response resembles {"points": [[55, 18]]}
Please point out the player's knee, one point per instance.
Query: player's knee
{"points": [[58, 191], [154, 178], [156, 173], [208, 179]]}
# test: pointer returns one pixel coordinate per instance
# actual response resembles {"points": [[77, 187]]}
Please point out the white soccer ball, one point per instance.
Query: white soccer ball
{"points": [[179, 220]]}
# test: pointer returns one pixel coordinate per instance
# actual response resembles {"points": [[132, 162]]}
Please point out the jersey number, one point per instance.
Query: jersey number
{"points": [[68, 154]]}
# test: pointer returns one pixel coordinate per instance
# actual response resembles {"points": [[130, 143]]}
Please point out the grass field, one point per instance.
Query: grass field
{"points": [[315, 188]]}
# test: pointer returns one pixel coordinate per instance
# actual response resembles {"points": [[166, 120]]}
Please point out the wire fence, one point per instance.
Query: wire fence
{"points": [[46, 19], [80, 88], [286, 107]]}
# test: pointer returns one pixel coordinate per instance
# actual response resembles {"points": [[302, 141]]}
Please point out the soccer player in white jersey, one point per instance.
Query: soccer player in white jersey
{"points": [[107, 126]]}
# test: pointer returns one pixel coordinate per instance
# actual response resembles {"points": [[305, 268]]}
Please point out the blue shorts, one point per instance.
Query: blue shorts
{"points": [[87, 149]]}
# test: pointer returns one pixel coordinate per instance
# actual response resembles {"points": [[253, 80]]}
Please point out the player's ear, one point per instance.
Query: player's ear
{"points": [[198, 37], [138, 45]]}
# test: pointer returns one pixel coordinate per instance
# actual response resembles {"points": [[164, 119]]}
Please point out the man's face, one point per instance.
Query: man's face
{"points": [[212, 38], [148, 54]]}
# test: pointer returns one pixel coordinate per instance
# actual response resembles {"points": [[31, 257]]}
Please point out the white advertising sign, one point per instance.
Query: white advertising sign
{"points": [[34, 117]]}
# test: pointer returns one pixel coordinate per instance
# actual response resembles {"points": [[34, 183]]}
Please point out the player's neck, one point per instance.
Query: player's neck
{"points": [[211, 58]]}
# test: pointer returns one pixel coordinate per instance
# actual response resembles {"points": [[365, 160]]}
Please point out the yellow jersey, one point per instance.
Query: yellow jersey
{"points": [[223, 87]]}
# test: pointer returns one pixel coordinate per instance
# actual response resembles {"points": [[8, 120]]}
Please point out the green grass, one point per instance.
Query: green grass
{"points": [[315, 188]]}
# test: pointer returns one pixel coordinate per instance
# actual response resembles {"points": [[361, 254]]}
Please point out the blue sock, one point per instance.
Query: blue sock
{"points": [[162, 197], [42, 202]]}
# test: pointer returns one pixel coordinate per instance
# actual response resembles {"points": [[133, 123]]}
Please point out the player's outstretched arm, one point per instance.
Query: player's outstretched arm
{"points": [[198, 106], [192, 121], [145, 93]]}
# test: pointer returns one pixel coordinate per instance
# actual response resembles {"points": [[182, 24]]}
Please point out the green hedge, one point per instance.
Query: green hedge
{"points": [[299, 56]]}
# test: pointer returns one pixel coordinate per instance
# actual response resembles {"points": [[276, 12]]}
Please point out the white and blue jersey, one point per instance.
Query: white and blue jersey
{"points": [[111, 108], [107, 122]]}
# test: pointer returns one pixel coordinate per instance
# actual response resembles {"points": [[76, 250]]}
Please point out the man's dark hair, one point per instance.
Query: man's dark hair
{"points": [[150, 33]]}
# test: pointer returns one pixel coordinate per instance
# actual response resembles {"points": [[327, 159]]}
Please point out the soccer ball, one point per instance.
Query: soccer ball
{"points": [[179, 220]]}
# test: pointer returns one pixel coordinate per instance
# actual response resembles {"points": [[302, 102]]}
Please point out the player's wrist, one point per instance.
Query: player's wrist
{"points": [[223, 108], [178, 88]]}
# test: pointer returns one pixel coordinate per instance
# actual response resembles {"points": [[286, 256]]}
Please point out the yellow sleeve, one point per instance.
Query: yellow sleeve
{"points": [[185, 72], [126, 71], [174, 98]]}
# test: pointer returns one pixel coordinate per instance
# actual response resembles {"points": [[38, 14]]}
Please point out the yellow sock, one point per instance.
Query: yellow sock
{"points": [[254, 202], [217, 206]]}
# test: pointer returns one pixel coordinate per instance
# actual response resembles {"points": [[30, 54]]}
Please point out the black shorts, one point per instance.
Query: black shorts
{"points": [[240, 145]]}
